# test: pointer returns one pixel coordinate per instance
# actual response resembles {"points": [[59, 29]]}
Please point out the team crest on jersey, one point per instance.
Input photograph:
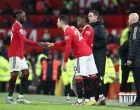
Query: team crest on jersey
{"points": [[21, 31], [66, 37], [87, 32]]}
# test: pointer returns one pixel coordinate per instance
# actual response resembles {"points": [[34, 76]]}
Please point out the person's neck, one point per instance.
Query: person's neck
{"points": [[18, 22], [64, 27], [84, 26]]}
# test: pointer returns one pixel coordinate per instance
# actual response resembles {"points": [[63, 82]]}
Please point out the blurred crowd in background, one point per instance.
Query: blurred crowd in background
{"points": [[74, 7]]}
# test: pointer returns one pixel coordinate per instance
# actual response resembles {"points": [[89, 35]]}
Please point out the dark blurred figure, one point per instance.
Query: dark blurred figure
{"points": [[73, 21], [28, 6], [64, 10], [4, 73], [46, 23], [7, 9], [75, 9], [49, 74], [46, 36], [28, 23], [58, 38], [112, 38], [109, 72], [67, 77], [43, 6], [38, 69], [3, 50], [123, 52], [6, 23], [48, 10], [132, 7]]}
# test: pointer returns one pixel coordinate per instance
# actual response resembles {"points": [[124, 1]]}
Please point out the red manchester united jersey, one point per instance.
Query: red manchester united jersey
{"points": [[74, 40], [17, 41], [88, 35]]}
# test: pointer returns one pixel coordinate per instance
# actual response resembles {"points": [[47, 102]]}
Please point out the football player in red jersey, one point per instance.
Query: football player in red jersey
{"points": [[84, 64], [87, 31], [88, 35], [16, 57]]}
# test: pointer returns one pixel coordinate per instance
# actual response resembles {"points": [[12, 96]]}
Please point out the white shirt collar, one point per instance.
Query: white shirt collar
{"points": [[66, 28], [85, 26], [19, 23]]}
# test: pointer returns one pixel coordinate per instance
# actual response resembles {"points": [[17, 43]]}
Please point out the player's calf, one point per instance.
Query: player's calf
{"points": [[79, 88], [96, 81]]}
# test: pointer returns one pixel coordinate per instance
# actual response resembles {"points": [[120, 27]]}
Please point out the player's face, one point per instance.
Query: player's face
{"points": [[92, 18], [130, 20], [59, 23], [22, 17], [80, 22]]}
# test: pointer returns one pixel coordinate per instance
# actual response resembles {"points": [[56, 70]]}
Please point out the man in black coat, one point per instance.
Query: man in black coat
{"points": [[100, 43], [123, 52], [134, 53]]}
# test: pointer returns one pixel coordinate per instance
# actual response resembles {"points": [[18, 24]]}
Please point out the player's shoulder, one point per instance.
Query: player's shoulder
{"points": [[88, 30], [88, 27], [16, 25], [70, 29]]}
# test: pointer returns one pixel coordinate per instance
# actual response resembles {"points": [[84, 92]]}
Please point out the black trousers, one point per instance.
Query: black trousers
{"points": [[48, 87], [100, 61], [106, 89], [26, 89], [68, 90], [125, 87], [136, 74], [3, 86]]}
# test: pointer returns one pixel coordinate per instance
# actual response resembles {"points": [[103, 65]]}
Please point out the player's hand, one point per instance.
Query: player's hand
{"points": [[42, 44], [129, 63], [64, 67], [49, 44]]}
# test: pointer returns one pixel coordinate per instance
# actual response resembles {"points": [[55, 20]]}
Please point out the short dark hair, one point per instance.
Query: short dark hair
{"points": [[84, 17], [17, 12], [64, 18], [95, 12]]}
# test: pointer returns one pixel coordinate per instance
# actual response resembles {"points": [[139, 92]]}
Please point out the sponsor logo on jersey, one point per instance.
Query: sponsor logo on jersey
{"points": [[66, 37], [21, 31], [88, 32]]}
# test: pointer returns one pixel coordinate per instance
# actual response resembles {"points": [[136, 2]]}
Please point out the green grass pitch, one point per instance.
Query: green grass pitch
{"points": [[43, 102]]}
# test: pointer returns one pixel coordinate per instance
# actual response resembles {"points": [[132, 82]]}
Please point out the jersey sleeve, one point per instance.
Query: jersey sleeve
{"points": [[58, 44], [19, 31], [68, 42]]}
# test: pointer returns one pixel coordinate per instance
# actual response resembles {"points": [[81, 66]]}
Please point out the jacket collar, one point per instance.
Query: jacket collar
{"points": [[97, 23]]}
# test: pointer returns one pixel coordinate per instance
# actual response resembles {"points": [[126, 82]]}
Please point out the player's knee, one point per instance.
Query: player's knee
{"points": [[79, 84], [86, 80], [25, 73], [94, 76], [14, 75], [79, 77]]}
